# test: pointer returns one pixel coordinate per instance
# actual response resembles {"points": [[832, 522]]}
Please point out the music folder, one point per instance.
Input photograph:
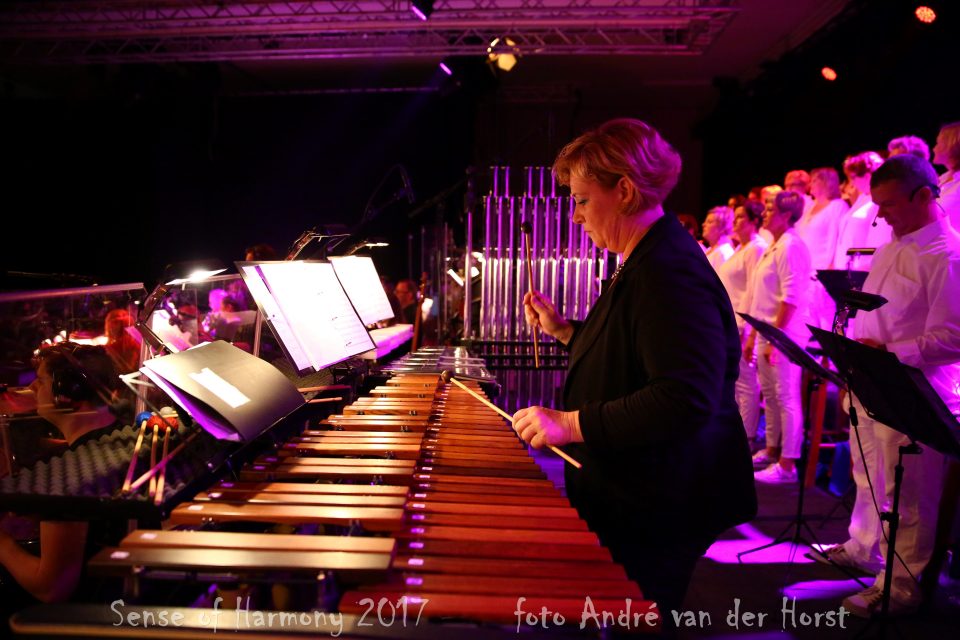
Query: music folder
{"points": [[230, 393]]}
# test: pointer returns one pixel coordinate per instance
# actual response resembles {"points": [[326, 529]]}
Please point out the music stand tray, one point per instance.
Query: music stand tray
{"points": [[839, 281]]}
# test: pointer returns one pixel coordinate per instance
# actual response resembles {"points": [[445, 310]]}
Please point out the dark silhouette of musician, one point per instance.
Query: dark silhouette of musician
{"points": [[649, 395], [74, 389], [406, 293]]}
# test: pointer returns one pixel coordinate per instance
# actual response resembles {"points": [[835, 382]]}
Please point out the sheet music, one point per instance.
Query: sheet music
{"points": [[271, 311], [317, 309], [360, 280]]}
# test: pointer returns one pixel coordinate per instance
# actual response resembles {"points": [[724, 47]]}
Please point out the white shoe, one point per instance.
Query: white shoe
{"points": [[869, 603], [761, 460], [776, 474]]}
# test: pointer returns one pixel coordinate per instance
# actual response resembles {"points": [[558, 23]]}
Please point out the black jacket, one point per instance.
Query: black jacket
{"points": [[652, 371]]}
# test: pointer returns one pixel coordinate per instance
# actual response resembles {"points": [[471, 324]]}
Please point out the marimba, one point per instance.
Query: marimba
{"points": [[448, 517]]}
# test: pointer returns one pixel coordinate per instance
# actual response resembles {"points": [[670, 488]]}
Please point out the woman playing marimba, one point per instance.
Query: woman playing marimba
{"points": [[649, 393]]}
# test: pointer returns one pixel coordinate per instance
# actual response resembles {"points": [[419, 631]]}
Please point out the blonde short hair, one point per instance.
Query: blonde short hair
{"points": [[797, 175], [951, 137], [769, 191], [724, 218], [831, 180], [909, 144], [862, 164], [627, 148]]}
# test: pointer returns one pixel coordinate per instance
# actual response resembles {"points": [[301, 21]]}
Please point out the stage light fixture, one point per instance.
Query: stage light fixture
{"points": [[421, 8], [828, 74], [925, 14], [446, 69], [503, 52]]}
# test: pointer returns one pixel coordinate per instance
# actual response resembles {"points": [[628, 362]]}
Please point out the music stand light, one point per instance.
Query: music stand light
{"points": [[190, 272]]}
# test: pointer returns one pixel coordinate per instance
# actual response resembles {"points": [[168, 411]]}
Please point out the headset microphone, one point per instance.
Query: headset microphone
{"points": [[875, 219]]}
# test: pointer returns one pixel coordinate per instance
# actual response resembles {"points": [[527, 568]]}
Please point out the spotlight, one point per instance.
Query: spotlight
{"points": [[446, 69], [925, 14], [421, 8], [503, 53], [828, 74]]}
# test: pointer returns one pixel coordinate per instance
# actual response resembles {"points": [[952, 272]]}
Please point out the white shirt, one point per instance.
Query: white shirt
{"points": [[720, 253], [856, 230], [919, 275], [950, 196], [737, 272], [783, 275], [819, 232]]}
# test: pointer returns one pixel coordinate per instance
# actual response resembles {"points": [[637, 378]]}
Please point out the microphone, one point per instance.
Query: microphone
{"points": [[407, 187], [874, 223]]}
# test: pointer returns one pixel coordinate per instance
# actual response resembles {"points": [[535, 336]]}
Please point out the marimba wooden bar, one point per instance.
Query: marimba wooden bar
{"points": [[445, 504]]}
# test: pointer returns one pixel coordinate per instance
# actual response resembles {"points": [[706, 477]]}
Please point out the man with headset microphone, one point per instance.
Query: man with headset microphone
{"points": [[918, 273], [74, 390]]}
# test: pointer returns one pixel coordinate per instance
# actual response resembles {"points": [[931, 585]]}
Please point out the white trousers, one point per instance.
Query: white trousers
{"points": [[919, 501], [780, 385], [864, 543], [747, 392]]}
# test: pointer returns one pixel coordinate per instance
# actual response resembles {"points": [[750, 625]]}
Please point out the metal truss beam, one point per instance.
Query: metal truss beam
{"points": [[116, 31]]}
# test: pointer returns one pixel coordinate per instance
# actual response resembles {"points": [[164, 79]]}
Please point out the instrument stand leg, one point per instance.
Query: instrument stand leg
{"points": [[843, 501], [798, 525], [892, 518]]}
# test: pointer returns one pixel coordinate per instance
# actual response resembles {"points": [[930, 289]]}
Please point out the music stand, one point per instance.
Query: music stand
{"points": [[840, 284], [901, 398], [797, 355]]}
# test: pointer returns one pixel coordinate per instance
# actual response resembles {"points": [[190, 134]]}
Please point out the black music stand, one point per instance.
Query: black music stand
{"points": [[901, 398], [799, 356], [841, 284]]}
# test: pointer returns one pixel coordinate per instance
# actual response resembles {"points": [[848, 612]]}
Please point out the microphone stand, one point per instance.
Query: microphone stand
{"points": [[437, 199], [370, 212]]}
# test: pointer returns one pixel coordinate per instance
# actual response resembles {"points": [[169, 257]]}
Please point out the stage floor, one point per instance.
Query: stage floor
{"points": [[764, 578]]}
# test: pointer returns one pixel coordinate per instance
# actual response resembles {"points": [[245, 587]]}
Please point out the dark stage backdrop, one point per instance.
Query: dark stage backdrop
{"points": [[121, 170], [118, 187], [896, 77]]}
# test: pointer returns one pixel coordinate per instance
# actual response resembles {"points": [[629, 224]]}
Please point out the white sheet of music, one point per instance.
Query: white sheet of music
{"points": [[360, 280], [271, 311], [318, 310]]}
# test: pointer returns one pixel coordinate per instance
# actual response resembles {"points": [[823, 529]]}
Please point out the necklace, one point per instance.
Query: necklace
{"points": [[616, 271], [623, 259]]}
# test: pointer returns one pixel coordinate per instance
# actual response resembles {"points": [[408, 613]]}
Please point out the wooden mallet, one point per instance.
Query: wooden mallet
{"points": [[527, 229], [446, 376]]}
